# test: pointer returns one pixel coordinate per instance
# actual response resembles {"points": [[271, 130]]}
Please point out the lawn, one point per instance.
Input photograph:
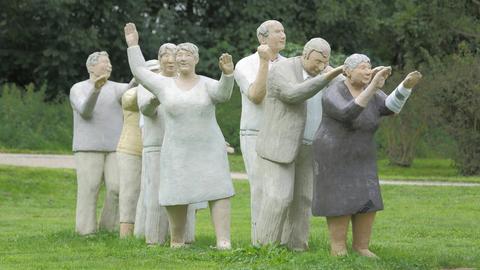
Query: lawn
{"points": [[421, 228], [422, 170]]}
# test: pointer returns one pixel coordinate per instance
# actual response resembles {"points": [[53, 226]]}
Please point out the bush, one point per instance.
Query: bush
{"points": [[456, 80], [27, 122]]}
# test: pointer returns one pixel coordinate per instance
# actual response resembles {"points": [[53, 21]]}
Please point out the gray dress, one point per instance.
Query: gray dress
{"points": [[345, 168]]}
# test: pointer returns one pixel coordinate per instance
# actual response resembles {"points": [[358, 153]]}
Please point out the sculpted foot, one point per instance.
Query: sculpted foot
{"points": [[224, 245], [366, 253]]}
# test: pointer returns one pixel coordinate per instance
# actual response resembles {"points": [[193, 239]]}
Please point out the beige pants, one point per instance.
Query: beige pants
{"points": [[247, 145], [285, 211], [130, 167], [92, 167]]}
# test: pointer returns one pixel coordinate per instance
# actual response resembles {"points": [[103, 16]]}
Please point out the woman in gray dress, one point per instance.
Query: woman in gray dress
{"points": [[346, 183]]}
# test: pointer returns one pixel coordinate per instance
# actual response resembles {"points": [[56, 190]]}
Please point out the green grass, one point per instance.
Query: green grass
{"points": [[424, 169], [421, 228]]}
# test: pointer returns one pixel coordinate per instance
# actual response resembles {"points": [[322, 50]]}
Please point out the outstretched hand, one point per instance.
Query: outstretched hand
{"points": [[131, 34], [100, 81], [226, 64], [412, 79], [381, 75], [333, 72]]}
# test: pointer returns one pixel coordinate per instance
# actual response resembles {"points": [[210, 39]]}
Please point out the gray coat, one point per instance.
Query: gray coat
{"points": [[283, 125]]}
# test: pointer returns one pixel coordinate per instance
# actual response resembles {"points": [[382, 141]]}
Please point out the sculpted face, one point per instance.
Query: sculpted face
{"points": [[102, 67], [276, 37], [314, 63], [185, 61], [167, 64], [360, 75]]}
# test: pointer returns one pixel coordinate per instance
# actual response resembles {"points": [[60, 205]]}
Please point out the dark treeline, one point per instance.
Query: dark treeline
{"points": [[47, 43]]}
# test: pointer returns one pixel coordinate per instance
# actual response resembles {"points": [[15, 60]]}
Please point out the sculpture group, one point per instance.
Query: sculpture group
{"points": [[306, 136]]}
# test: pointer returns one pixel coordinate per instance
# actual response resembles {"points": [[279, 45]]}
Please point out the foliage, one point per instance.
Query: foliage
{"points": [[40, 48], [457, 98], [30, 123], [38, 220]]}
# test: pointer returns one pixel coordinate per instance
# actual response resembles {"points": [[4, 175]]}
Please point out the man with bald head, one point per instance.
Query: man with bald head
{"points": [[284, 162], [251, 76]]}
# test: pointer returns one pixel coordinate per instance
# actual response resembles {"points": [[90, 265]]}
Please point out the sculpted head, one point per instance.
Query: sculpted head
{"points": [[186, 57], [166, 57], [357, 69], [98, 64], [315, 56], [272, 33]]}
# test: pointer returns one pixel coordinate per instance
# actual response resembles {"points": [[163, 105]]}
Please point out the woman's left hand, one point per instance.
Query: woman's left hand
{"points": [[226, 64]]}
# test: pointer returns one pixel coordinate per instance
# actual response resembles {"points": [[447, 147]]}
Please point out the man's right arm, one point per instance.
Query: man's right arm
{"points": [[84, 104]]}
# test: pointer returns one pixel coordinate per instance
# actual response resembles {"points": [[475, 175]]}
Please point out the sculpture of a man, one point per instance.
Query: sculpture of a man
{"points": [[251, 76], [97, 123], [284, 162]]}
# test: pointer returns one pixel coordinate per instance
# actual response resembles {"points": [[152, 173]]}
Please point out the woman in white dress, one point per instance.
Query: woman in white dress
{"points": [[194, 164]]}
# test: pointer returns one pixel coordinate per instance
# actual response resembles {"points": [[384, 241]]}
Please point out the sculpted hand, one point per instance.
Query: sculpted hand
{"points": [[265, 52], [100, 81], [375, 71], [412, 79], [226, 64], [334, 72], [379, 79], [131, 34]]}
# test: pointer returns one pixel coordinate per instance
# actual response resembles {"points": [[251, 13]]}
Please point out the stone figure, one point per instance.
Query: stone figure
{"points": [[194, 165], [152, 136], [284, 163], [346, 183], [154, 216], [97, 123], [129, 158], [251, 76]]}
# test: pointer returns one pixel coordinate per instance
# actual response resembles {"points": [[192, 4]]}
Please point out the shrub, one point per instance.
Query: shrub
{"points": [[28, 122]]}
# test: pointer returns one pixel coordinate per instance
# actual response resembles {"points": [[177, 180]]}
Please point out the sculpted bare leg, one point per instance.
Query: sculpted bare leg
{"points": [[220, 212], [177, 217], [337, 228], [362, 230]]}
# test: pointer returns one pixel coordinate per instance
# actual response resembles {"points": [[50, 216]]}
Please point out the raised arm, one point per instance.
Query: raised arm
{"points": [[84, 104], [397, 99], [150, 80], [221, 91], [377, 82], [257, 90], [291, 92]]}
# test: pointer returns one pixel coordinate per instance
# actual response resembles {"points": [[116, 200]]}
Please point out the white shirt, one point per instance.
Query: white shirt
{"points": [[314, 111], [245, 74]]}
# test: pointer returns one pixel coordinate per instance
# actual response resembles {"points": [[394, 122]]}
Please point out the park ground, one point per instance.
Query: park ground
{"points": [[421, 228]]}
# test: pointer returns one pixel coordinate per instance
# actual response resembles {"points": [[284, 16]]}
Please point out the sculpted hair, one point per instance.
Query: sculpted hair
{"points": [[316, 44], [189, 47], [262, 30], [354, 60], [92, 59], [167, 48]]}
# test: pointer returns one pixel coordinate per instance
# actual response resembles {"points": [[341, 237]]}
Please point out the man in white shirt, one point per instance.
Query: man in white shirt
{"points": [[97, 123], [251, 76]]}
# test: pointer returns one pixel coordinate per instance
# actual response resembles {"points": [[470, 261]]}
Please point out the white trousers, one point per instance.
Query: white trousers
{"points": [[156, 220], [92, 168], [130, 168], [286, 207], [247, 145], [139, 229]]}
